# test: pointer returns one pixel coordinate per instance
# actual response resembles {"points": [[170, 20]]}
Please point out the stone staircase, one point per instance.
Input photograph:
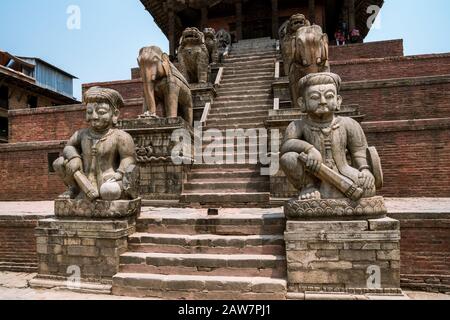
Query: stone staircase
{"points": [[186, 254], [243, 100]]}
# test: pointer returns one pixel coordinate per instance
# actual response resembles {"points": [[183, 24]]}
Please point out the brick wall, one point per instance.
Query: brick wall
{"points": [[56, 123], [24, 172], [18, 243], [393, 67], [415, 156], [377, 49], [425, 251], [401, 99], [129, 89]]}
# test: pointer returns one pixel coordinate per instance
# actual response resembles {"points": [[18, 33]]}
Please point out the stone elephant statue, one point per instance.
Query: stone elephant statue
{"points": [[193, 56], [164, 84], [211, 44], [309, 55]]}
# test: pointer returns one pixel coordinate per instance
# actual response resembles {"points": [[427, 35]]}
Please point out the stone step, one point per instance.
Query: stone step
{"points": [[251, 85], [235, 74], [219, 175], [229, 199], [220, 167], [243, 91], [194, 287], [244, 79], [204, 264], [254, 66], [222, 141], [238, 157], [262, 104], [250, 56], [229, 222], [251, 52], [242, 97], [245, 126], [260, 184], [217, 113], [207, 243]]}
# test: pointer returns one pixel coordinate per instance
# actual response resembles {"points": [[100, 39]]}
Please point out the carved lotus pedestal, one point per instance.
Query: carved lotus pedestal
{"points": [[80, 248], [341, 248]]}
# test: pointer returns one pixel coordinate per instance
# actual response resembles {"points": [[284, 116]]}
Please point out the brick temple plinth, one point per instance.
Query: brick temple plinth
{"points": [[343, 257]]}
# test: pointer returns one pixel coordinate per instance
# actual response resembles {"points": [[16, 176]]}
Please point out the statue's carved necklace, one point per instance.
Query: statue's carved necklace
{"points": [[95, 140], [325, 130]]}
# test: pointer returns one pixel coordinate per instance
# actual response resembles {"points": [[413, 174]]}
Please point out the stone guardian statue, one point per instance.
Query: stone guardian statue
{"points": [[327, 156], [98, 163]]}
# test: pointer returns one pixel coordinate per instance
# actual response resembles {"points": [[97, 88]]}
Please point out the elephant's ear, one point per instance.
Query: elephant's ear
{"points": [[166, 64]]}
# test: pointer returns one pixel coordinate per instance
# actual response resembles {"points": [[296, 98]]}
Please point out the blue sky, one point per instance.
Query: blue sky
{"points": [[112, 32]]}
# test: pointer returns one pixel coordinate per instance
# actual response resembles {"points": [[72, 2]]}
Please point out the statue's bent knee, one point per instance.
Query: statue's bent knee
{"points": [[59, 167]]}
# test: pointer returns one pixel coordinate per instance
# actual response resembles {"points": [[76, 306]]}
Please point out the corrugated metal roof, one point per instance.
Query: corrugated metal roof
{"points": [[50, 65]]}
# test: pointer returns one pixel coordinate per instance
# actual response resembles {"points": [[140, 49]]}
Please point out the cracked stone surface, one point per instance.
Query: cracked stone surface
{"points": [[14, 286]]}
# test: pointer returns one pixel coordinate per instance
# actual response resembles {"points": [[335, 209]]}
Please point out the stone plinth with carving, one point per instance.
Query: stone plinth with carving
{"points": [[201, 95], [161, 178]]}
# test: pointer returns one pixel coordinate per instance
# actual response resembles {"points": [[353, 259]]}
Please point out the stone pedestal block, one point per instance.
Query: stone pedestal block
{"points": [[202, 94], [85, 249], [160, 177], [355, 257]]}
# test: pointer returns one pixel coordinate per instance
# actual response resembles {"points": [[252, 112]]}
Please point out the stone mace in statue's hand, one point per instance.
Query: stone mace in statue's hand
{"points": [[342, 183]]}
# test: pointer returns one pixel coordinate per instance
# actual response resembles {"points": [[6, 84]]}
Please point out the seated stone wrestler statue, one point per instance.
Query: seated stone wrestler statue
{"points": [[321, 139], [96, 159]]}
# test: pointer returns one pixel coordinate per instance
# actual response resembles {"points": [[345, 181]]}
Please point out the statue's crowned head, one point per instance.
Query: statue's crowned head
{"points": [[319, 94], [102, 107]]}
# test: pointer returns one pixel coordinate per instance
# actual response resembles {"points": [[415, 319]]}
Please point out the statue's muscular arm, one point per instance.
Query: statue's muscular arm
{"points": [[357, 145], [126, 152], [72, 153], [293, 140], [73, 147]]}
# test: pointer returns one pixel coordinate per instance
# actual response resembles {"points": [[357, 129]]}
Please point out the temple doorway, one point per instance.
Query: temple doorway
{"points": [[258, 21]]}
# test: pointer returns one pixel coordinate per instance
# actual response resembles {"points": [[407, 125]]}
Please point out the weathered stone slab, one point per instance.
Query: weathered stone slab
{"points": [[88, 249], [384, 224], [325, 226], [65, 208], [343, 256]]}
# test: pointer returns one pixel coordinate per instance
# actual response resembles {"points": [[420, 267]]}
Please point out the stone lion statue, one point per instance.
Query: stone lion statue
{"points": [[193, 56], [164, 84], [305, 50], [223, 39], [211, 44], [310, 55], [287, 33]]}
